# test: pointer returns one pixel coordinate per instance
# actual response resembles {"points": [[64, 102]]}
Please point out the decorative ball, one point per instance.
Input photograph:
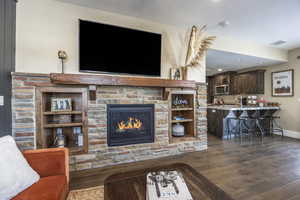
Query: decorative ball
{"points": [[62, 55]]}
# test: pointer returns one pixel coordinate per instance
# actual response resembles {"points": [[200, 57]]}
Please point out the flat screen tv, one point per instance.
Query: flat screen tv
{"points": [[110, 49]]}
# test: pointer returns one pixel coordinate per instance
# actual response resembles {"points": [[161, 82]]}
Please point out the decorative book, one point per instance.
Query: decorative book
{"points": [[166, 185]]}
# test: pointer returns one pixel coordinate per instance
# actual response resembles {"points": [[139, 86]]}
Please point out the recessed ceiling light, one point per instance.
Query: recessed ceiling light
{"points": [[279, 42], [220, 70]]}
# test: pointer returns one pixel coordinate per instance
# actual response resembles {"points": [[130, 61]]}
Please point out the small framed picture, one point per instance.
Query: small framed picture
{"points": [[61, 104], [176, 74], [283, 83]]}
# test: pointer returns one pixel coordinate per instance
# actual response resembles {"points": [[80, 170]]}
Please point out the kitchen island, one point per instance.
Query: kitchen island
{"points": [[217, 116]]}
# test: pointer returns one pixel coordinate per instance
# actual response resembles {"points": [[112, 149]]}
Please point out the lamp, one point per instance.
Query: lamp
{"points": [[62, 55]]}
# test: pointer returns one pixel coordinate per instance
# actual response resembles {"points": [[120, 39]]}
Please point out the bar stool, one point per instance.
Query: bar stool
{"points": [[247, 125], [232, 125], [259, 119], [273, 125]]}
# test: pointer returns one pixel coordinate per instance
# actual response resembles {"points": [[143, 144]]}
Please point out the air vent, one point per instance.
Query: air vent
{"points": [[279, 42]]}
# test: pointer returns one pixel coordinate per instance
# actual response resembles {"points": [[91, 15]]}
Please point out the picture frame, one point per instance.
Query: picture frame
{"points": [[176, 74], [61, 104], [283, 83]]}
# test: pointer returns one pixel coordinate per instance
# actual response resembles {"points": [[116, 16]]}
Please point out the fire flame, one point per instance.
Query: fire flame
{"points": [[132, 123]]}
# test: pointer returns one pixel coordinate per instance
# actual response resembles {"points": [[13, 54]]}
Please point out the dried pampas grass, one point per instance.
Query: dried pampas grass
{"points": [[204, 46], [197, 46]]}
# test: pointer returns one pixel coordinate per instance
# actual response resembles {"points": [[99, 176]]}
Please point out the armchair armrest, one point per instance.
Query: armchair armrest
{"points": [[49, 162]]}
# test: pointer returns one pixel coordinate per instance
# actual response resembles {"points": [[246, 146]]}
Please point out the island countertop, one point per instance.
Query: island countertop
{"points": [[237, 108], [217, 116]]}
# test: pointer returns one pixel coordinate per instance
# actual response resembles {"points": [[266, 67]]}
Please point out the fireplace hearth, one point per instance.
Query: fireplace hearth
{"points": [[130, 124]]}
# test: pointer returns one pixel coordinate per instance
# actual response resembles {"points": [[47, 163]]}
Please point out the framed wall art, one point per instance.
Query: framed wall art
{"points": [[283, 83], [176, 74]]}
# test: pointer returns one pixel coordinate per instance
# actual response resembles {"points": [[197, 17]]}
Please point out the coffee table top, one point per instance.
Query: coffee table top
{"points": [[132, 185]]}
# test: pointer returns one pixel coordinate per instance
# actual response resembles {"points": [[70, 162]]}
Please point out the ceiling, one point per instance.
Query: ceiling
{"points": [[228, 61], [261, 21]]}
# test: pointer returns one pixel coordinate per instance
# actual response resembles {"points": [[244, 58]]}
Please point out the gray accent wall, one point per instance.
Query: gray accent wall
{"points": [[7, 61]]}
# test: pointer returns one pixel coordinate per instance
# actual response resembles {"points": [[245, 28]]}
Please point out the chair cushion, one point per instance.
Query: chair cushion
{"points": [[47, 188]]}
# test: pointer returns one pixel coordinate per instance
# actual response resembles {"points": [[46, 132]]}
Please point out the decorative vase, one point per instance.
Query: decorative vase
{"points": [[178, 130]]}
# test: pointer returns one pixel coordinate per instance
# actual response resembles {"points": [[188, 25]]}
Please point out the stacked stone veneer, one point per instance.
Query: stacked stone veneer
{"points": [[99, 154]]}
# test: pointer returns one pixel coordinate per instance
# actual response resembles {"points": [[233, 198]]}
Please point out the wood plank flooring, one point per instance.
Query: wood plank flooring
{"points": [[253, 171]]}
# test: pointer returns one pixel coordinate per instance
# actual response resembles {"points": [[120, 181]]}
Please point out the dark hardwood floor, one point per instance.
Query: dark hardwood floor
{"points": [[249, 171]]}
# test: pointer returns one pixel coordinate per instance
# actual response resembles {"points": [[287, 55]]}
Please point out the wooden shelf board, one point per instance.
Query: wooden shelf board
{"points": [[84, 79], [76, 150], [63, 113], [63, 125], [182, 121], [182, 139], [181, 109]]}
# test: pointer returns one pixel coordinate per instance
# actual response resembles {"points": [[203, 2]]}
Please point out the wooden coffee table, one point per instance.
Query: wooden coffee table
{"points": [[132, 185]]}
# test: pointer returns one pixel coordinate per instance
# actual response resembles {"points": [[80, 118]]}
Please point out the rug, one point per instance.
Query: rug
{"points": [[94, 193]]}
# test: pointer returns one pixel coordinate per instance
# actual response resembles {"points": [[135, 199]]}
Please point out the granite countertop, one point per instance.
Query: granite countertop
{"points": [[235, 107]]}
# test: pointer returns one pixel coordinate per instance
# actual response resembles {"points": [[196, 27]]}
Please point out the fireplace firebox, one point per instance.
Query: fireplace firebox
{"points": [[130, 124]]}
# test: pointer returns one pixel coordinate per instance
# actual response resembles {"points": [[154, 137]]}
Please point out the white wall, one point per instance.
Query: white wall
{"points": [[290, 106], [45, 26], [249, 48]]}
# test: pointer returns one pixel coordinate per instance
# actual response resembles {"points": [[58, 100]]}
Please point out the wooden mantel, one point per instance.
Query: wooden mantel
{"points": [[85, 79]]}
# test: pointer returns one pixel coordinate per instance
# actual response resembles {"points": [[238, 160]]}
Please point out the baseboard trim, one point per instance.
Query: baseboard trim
{"points": [[289, 133]]}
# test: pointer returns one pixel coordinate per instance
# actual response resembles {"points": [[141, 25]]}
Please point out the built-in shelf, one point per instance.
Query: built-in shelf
{"points": [[49, 121], [64, 113], [76, 150], [182, 139], [181, 109], [62, 125], [186, 111], [182, 121]]}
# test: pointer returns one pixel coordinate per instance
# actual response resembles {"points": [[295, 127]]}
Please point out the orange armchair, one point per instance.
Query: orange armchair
{"points": [[53, 167]]}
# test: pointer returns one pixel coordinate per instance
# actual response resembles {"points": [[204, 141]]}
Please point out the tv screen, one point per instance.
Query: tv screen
{"points": [[110, 49]]}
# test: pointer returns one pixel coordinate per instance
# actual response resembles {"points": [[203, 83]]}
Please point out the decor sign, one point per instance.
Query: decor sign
{"points": [[61, 104], [283, 83]]}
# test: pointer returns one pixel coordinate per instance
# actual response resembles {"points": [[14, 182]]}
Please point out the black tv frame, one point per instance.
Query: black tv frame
{"points": [[116, 73]]}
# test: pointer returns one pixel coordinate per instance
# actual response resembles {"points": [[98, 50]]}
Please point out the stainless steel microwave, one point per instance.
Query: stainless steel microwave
{"points": [[222, 89]]}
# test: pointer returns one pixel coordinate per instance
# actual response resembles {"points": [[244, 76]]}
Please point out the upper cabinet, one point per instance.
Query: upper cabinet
{"points": [[251, 82], [224, 81]]}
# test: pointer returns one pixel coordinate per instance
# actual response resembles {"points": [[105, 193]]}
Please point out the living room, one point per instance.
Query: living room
{"points": [[109, 100]]}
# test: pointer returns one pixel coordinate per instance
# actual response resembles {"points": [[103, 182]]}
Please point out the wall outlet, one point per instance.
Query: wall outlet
{"points": [[299, 99], [1, 100]]}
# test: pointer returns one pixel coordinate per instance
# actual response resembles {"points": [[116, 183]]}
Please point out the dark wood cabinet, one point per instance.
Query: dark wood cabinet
{"points": [[215, 121], [226, 78], [210, 89], [251, 82]]}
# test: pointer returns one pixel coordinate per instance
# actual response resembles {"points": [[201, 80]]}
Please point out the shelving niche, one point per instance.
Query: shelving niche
{"points": [[186, 111], [48, 120]]}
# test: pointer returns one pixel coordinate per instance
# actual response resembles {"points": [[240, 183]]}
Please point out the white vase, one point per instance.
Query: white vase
{"points": [[178, 130]]}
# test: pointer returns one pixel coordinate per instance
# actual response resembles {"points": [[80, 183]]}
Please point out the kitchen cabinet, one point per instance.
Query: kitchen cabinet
{"points": [[215, 121], [226, 78], [251, 82], [210, 89]]}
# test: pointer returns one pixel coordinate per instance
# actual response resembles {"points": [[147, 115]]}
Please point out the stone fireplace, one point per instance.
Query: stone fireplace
{"points": [[106, 99], [130, 124]]}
